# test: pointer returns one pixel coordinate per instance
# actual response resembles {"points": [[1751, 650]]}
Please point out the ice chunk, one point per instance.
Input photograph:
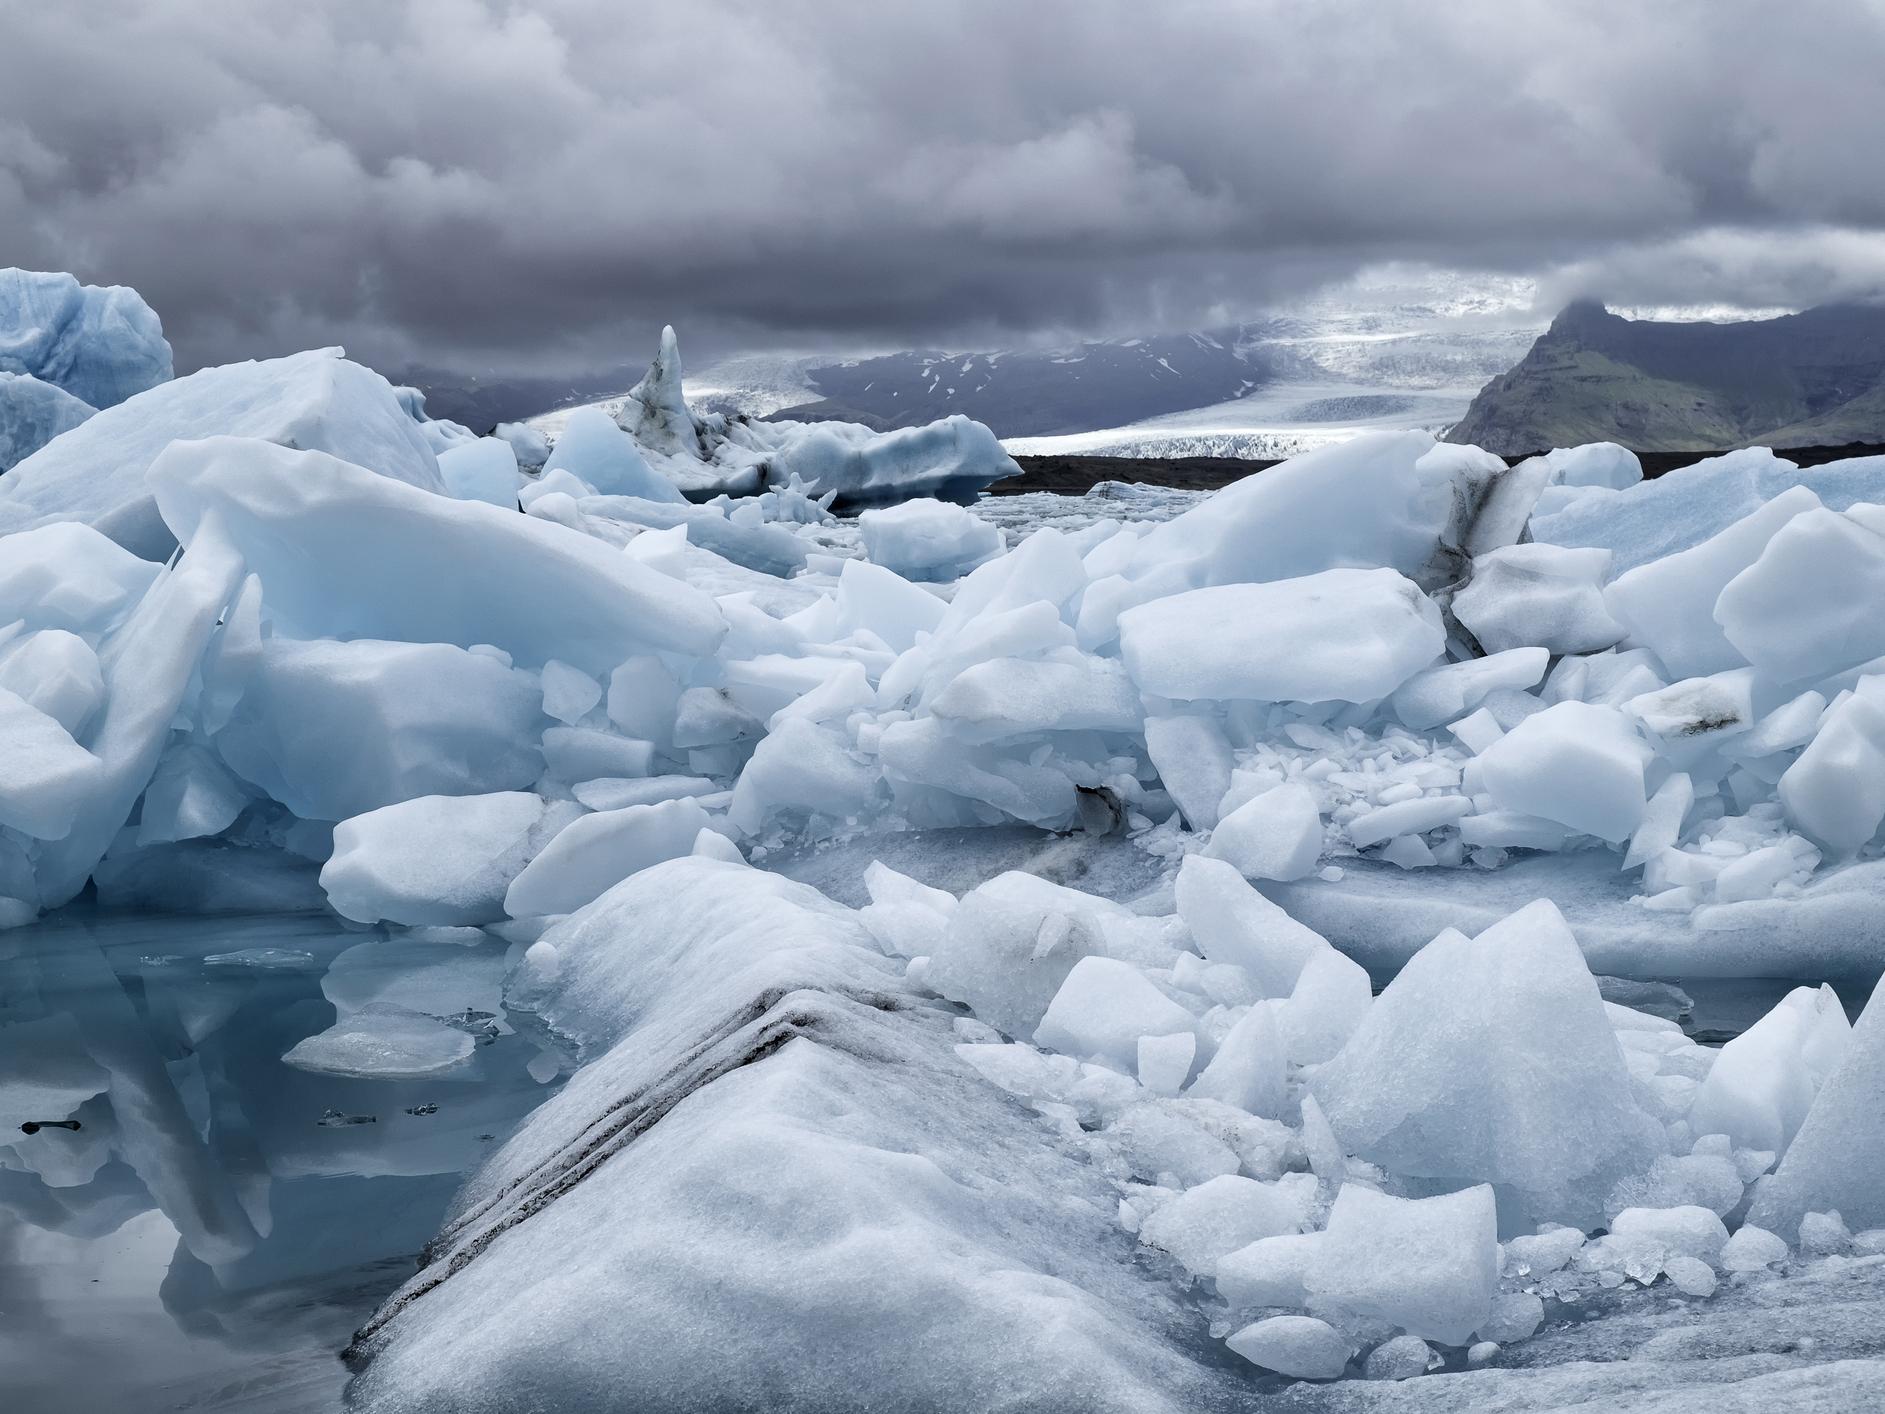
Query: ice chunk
{"points": [[1103, 1008], [1378, 499], [872, 597], [370, 558], [1578, 764], [44, 773], [906, 917], [484, 470], [1402, 1358], [593, 449], [1014, 696], [1801, 611], [1543, 595], [383, 1043], [1276, 835], [1406, 817], [1697, 710], [924, 539], [1234, 923], [98, 472], [1219, 1216], [1272, 1271], [569, 694], [1661, 824], [438, 859], [587, 753], [1668, 605], [1301, 1347], [1835, 791], [1165, 1061], [1249, 1069], [68, 576], [1331, 996], [593, 854], [1594, 464], [1427, 1265], [57, 672], [1491, 1059], [101, 344], [1344, 635], [32, 413], [1690, 1230], [1452, 690], [1194, 762], [191, 795], [1752, 1249], [1516, 1315], [802, 769], [1837, 1155], [333, 730], [529, 445]]}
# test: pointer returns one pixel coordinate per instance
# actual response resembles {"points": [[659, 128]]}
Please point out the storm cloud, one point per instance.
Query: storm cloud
{"points": [[539, 186]]}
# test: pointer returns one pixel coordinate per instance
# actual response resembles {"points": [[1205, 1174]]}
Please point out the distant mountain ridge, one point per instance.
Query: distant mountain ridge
{"points": [[1816, 378]]}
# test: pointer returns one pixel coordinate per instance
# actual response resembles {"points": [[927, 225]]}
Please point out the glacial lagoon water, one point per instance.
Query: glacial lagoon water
{"points": [[207, 1225]]}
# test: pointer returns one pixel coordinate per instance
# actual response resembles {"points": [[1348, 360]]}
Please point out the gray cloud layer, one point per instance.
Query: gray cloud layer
{"points": [[459, 181]]}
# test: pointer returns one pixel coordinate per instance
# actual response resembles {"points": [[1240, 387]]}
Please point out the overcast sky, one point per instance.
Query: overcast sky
{"points": [[541, 185]]}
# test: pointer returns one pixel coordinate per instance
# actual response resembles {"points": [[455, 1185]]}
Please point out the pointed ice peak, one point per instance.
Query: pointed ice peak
{"points": [[655, 413], [660, 388]]}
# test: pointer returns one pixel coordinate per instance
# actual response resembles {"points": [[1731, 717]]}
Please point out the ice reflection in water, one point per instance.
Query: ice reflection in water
{"points": [[218, 1222]]}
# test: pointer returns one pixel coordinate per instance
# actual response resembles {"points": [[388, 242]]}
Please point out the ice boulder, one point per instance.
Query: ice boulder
{"points": [[1331, 996], [1668, 605], [1250, 1069], [1763, 1081], [32, 413], [1103, 1008], [1804, 609], [531, 447], [927, 539], [57, 672], [1395, 499], [589, 857], [1836, 1158], [1574, 763], [1835, 790], [43, 771], [317, 401], [438, 859], [1427, 1265], [484, 470], [1491, 1060], [1194, 761], [68, 576], [1594, 464], [1276, 835], [1343, 635], [593, 449], [1538, 595], [1301, 1347], [333, 729], [1010, 943], [1452, 690], [1233, 923], [101, 344], [1221, 1215]]}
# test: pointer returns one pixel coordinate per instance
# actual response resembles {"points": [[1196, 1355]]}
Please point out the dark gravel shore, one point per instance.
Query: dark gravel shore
{"points": [[1076, 475]]}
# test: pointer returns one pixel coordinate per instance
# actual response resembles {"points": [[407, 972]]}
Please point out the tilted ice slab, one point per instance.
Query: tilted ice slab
{"points": [[772, 1187], [101, 344], [32, 413], [97, 473]]}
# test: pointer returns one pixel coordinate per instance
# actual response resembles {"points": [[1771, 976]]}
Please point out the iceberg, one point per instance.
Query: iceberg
{"points": [[100, 344]]}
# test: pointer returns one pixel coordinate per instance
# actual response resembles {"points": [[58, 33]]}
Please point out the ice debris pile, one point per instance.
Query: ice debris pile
{"points": [[1332, 1183], [1388, 653]]}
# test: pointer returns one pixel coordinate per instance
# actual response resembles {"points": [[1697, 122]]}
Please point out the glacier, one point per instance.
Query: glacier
{"points": [[1136, 961]]}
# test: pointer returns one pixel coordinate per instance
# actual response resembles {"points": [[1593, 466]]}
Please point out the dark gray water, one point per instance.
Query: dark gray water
{"points": [[220, 1222]]}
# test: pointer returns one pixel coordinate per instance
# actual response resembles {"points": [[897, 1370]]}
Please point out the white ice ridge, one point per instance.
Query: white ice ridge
{"points": [[1330, 1183]]}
